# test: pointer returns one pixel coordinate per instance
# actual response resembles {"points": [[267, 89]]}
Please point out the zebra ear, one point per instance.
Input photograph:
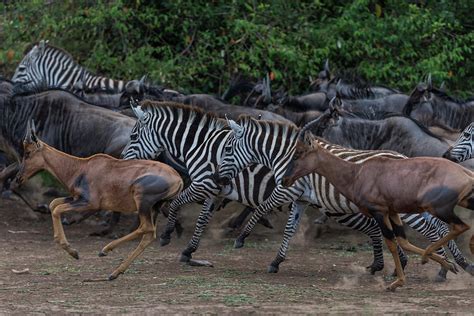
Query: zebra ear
{"points": [[139, 113], [42, 46], [236, 128]]}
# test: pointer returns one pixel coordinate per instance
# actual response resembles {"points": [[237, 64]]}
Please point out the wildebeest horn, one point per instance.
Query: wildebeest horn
{"points": [[307, 126], [143, 79], [338, 88], [267, 92], [429, 82], [442, 87], [326, 65], [133, 86]]}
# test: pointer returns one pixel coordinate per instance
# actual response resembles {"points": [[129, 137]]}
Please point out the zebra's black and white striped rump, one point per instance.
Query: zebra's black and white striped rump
{"points": [[46, 65], [461, 150]]}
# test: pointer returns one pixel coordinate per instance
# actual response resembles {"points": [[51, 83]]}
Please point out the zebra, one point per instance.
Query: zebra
{"points": [[50, 66], [273, 145], [196, 141], [461, 150]]}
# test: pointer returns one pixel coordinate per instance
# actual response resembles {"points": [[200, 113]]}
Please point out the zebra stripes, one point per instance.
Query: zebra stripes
{"points": [[46, 65], [187, 134], [248, 145], [461, 150]]}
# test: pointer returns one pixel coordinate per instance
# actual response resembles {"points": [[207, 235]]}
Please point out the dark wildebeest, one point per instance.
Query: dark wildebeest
{"points": [[388, 132], [358, 89], [433, 107], [139, 90]]}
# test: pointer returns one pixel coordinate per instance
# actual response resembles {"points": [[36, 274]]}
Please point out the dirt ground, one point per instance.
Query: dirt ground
{"points": [[321, 275]]}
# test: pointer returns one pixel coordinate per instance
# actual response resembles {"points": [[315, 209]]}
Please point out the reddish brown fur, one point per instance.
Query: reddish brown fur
{"points": [[387, 186], [102, 182]]}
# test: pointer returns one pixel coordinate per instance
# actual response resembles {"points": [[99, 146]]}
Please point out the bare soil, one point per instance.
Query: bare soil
{"points": [[321, 275]]}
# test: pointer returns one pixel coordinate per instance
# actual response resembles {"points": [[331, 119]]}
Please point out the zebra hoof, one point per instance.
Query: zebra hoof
{"points": [[374, 268], [272, 269], [469, 269], [184, 258], [238, 243], [164, 241]]}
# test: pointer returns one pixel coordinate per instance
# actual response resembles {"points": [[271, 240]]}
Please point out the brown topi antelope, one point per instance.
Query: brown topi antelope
{"points": [[383, 187], [101, 182]]}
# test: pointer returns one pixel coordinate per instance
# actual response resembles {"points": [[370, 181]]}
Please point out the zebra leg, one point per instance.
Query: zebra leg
{"points": [[210, 205], [193, 193], [433, 229], [370, 227], [442, 229], [297, 210], [278, 197]]}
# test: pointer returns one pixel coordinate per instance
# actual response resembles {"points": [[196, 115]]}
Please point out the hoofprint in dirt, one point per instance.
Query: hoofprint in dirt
{"points": [[321, 275]]}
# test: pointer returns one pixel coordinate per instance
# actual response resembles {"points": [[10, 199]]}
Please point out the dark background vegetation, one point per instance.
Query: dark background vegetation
{"points": [[196, 46]]}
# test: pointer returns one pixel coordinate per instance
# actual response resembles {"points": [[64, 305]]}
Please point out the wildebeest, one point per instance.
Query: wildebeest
{"points": [[102, 182], [433, 107], [348, 86], [389, 132], [383, 188]]}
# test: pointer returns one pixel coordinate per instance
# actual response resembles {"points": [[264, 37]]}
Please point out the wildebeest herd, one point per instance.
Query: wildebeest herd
{"points": [[345, 147]]}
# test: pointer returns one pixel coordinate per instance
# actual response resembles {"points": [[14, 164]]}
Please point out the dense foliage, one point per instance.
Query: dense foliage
{"points": [[197, 45]]}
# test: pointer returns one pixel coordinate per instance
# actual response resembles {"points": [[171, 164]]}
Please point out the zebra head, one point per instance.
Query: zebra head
{"points": [[461, 150], [234, 159], [142, 144], [29, 71]]}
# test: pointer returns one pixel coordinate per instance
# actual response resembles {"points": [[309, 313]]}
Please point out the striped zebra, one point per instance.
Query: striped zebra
{"points": [[196, 140], [46, 65], [273, 144], [461, 150]]}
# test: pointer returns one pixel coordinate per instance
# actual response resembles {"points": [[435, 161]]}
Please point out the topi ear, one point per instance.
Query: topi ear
{"points": [[30, 135], [236, 128]]}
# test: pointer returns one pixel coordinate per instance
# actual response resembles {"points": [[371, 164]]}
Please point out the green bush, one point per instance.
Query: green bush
{"points": [[196, 46]]}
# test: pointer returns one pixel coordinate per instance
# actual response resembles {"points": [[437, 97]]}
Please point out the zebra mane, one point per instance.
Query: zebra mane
{"points": [[48, 45], [246, 120], [197, 113]]}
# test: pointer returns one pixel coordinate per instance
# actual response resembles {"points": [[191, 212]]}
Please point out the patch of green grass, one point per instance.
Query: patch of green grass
{"points": [[206, 295], [238, 299]]}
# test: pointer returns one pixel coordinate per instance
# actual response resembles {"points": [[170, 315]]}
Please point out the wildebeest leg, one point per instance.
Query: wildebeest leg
{"points": [[391, 242], [59, 206], [210, 205], [114, 219], [147, 231], [193, 193], [297, 210], [405, 244], [8, 173]]}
